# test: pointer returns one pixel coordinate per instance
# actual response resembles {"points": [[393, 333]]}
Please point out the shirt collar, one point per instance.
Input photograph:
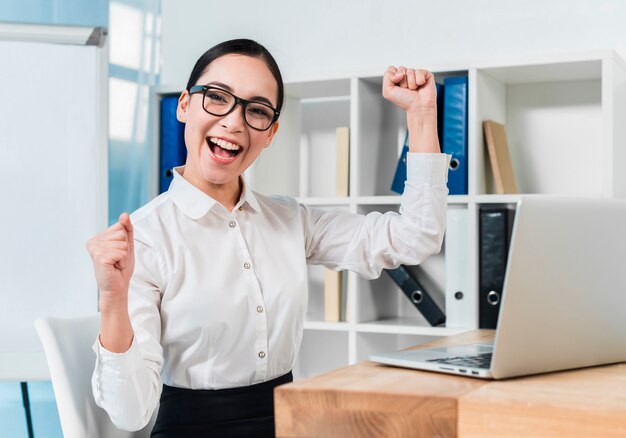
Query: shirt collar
{"points": [[248, 197], [194, 203]]}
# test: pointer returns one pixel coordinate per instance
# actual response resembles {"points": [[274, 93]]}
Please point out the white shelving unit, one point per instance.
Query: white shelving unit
{"points": [[564, 119]]}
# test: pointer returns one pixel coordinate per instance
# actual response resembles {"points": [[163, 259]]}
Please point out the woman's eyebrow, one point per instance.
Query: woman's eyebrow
{"points": [[254, 98]]}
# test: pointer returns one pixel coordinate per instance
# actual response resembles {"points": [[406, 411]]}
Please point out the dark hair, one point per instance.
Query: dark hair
{"points": [[239, 47]]}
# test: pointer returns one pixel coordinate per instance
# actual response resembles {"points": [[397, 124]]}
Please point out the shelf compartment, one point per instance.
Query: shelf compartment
{"points": [[318, 145], [322, 107], [381, 298], [305, 144], [554, 120], [315, 304]]}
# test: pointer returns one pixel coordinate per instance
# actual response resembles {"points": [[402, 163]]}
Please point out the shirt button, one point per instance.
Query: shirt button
{"points": [[232, 224], [240, 207], [246, 265], [261, 354], [259, 309]]}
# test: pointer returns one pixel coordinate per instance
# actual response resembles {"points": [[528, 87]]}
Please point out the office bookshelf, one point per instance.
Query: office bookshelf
{"points": [[563, 118]]}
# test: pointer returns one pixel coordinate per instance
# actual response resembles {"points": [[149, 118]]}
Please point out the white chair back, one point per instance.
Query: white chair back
{"points": [[67, 344]]}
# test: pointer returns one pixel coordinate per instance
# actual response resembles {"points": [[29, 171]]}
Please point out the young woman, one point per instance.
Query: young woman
{"points": [[203, 292]]}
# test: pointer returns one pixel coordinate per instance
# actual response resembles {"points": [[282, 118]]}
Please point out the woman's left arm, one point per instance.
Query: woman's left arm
{"points": [[366, 244]]}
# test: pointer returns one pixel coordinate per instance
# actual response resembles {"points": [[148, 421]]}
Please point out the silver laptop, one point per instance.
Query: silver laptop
{"points": [[564, 299]]}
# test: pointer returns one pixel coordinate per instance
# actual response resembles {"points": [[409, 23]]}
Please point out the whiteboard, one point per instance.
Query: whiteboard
{"points": [[53, 184]]}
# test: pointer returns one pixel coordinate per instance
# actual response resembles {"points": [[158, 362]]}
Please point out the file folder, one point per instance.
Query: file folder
{"points": [[499, 157], [455, 132], [332, 295], [495, 232], [172, 151], [461, 300], [399, 178], [419, 296]]}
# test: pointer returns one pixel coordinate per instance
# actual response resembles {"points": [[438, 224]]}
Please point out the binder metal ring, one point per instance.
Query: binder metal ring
{"points": [[493, 298], [417, 296], [454, 163]]}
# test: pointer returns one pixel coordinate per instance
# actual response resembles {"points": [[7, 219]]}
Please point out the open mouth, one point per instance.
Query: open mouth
{"points": [[222, 148]]}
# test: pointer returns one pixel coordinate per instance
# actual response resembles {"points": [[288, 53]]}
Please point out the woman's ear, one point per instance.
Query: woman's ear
{"points": [[183, 106], [272, 132]]}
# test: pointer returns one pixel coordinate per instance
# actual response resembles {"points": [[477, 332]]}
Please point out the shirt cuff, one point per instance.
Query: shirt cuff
{"points": [[117, 364], [427, 168]]}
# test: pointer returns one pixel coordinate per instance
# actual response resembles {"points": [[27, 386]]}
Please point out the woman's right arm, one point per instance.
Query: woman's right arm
{"points": [[126, 380], [113, 256]]}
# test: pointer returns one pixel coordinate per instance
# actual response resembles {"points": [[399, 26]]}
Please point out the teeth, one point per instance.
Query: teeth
{"points": [[224, 144]]}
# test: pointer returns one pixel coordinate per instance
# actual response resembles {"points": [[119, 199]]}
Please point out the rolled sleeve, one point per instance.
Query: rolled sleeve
{"points": [[117, 388], [426, 168]]}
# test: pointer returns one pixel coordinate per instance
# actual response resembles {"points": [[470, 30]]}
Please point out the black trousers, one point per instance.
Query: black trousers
{"points": [[229, 413]]}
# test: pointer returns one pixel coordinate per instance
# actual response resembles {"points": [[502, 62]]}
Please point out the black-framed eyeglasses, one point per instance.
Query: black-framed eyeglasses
{"points": [[219, 102]]}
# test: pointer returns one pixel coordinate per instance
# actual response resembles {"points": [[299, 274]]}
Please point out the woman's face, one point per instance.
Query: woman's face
{"points": [[208, 164]]}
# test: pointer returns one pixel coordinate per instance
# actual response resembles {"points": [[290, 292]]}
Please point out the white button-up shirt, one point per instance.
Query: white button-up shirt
{"points": [[218, 298]]}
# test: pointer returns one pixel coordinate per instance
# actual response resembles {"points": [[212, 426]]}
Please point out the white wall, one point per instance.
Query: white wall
{"points": [[322, 38]]}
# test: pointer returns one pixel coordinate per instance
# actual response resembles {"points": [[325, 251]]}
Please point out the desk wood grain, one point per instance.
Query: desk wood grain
{"points": [[372, 400], [590, 402]]}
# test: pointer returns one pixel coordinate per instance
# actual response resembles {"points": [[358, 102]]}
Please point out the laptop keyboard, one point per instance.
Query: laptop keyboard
{"points": [[478, 361]]}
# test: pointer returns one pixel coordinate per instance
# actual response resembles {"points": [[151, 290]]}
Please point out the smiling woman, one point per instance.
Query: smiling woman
{"points": [[203, 294], [218, 117]]}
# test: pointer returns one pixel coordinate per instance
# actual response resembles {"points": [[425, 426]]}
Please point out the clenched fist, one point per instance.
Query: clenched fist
{"points": [[415, 92], [411, 89], [112, 253]]}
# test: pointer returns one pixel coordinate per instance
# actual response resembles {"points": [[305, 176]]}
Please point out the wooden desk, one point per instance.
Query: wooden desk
{"points": [[372, 400]]}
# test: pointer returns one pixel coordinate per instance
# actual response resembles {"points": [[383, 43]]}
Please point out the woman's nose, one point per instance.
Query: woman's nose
{"points": [[234, 120]]}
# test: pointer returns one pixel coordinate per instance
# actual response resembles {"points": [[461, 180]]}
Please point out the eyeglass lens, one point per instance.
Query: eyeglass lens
{"points": [[219, 103]]}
